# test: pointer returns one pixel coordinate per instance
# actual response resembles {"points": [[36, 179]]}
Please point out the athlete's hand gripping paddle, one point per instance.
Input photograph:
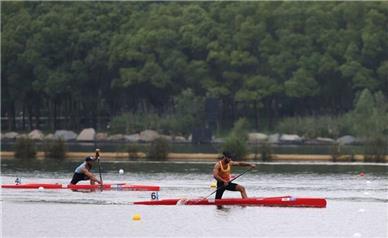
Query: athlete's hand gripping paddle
{"points": [[183, 201], [223, 186], [99, 167]]}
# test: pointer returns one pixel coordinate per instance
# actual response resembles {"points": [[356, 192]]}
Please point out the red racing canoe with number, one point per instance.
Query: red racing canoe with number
{"points": [[118, 187], [286, 201]]}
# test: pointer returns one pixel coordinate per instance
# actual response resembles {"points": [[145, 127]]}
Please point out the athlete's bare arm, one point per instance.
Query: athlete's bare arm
{"points": [[242, 164], [90, 175]]}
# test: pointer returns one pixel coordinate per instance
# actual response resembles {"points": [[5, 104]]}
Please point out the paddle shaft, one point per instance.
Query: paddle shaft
{"points": [[99, 166], [229, 182]]}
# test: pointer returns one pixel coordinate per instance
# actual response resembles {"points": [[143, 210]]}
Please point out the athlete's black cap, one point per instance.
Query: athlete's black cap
{"points": [[227, 154], [90, 158]]}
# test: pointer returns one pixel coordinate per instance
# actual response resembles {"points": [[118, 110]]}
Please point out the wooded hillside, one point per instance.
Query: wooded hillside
{"points": [[89, 62]]}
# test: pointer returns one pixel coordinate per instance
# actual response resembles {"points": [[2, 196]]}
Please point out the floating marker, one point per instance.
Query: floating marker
{"points": [[362, 174], [136, 217], [121, 171]]}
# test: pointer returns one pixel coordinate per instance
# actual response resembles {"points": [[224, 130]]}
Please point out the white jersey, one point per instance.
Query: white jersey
{"points": [[80, 167]]}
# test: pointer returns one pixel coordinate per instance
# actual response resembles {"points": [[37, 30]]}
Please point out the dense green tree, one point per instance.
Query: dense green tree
{"points": [[83, 63]]}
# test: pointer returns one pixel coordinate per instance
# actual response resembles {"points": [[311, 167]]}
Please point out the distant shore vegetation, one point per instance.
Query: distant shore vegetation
{"points": [[315, 69]]}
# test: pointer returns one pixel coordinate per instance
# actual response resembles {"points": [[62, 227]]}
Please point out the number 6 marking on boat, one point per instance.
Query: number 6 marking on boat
{"points": [[154, 196]]}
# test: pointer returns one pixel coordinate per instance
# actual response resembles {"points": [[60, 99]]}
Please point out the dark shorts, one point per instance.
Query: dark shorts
{"points": [[221, 189], [78, 177]]}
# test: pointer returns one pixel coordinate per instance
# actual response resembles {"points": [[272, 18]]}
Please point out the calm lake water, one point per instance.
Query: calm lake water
{"points": [[357, 205]]}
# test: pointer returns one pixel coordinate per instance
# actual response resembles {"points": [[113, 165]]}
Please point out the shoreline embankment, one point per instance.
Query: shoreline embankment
{"points": [[202, 156]]}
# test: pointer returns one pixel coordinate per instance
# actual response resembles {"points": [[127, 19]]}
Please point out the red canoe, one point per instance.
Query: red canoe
{"points": [[33, 185], [123, 186], [286, 201]]}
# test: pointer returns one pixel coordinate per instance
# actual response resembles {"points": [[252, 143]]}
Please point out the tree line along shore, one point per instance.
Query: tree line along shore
{"points": [[129, 66], [300, 72]]}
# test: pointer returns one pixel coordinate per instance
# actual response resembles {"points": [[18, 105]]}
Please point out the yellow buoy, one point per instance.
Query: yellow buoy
{"points": [[213, 184], [136, 217]]}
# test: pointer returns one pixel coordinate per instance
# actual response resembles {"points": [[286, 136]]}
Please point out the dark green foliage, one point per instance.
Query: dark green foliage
{"points": [[187, 113], [313, 127], [240, 129], [90, 62], [119, 124], [370, 115], [55, 149], [375, 150], [236, 142], [237, 146], [158, 149], [370, 118], [134, 122], [25, 148]]}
